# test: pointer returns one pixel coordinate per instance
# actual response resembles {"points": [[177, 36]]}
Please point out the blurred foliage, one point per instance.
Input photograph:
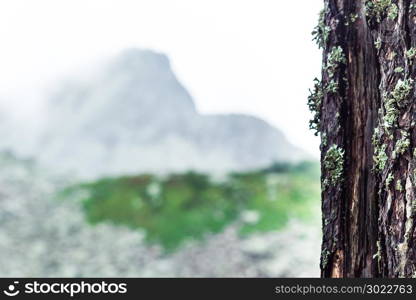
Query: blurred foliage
{"points": [[178, 207]]}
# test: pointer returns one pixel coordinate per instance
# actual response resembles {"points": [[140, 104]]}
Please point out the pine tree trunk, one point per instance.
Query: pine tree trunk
{"points": [[365, 113]]}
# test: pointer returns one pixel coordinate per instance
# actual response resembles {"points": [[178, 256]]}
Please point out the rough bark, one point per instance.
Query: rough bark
{"points": [[365, 113]]}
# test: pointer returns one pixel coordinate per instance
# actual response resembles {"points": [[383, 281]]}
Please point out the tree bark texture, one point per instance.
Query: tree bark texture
{"points": [[364, 110]]}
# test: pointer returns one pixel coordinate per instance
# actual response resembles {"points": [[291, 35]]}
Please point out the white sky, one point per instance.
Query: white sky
{"points": [[242, 56]]}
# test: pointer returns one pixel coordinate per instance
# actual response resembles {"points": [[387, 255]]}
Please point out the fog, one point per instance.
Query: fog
{"points": [[252, 57]]}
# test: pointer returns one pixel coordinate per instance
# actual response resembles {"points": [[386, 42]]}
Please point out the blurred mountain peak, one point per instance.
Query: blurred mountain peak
{"points": [[135, 57], [135, 116]]}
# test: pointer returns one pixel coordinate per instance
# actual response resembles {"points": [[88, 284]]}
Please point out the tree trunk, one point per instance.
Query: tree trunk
{"points": [[365, 113]]}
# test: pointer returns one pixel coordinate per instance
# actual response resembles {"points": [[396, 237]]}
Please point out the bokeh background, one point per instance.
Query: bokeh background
{"points": [[158, 138]]}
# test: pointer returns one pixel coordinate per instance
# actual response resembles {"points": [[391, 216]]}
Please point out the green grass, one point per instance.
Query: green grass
{"points": [[189, 206]]}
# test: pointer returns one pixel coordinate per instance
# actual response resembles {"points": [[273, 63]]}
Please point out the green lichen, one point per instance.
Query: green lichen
{"points": [[376, 136], [411, 53], [392, 12], [392, 113], [321, 31], [332, 87], [315, 103], [325, 257], [353, 17], [324, 140], [402, 145], [336, 57], [399, 186], [380, 157], [334, 165], [379, 9], [389, 180], [402, 90], [399, 70], [395, 101], [377, 43]]}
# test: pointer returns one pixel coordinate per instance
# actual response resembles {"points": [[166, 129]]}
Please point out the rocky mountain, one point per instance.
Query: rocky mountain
{"points": [[135, 116]]}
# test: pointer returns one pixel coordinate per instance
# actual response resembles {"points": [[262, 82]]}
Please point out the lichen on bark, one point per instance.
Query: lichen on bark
{"points": [[367, 116]]}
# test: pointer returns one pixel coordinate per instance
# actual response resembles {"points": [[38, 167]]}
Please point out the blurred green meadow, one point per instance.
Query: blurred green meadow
{"points": [[179, 207]]}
